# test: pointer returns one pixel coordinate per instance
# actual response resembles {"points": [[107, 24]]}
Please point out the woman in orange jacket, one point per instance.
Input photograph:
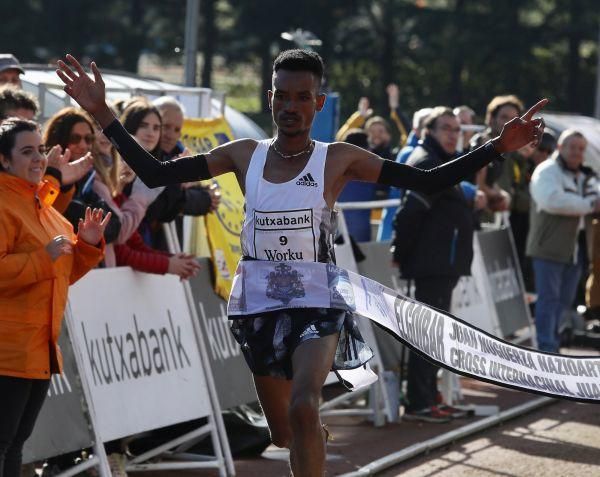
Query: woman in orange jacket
{"points": [[39, 257]]}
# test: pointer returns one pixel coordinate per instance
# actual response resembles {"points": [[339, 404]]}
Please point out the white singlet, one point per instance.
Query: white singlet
{"points": [[288, 221]]}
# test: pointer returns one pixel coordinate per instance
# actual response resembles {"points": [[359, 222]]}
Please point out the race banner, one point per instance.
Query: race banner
{"points": [[261, 286], [223, 230], [223, 227], [201, 135]]}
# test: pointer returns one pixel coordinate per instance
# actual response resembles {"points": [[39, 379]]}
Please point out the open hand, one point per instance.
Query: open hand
{"points": [[91, 228], [521, 131], [71, 171], [89, 93], [393, 93], [363, 107]]}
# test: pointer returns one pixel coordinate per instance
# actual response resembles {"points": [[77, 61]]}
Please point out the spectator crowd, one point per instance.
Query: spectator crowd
{"points": [[543, 192], [91, 207]]}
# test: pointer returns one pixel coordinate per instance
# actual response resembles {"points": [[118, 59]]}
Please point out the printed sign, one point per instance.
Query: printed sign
{"points": [[233, 379], [502, 269], [138, 349]]}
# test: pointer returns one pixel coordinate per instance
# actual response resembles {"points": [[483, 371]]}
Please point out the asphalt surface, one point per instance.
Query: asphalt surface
{"points": [[562, 439], [559, 439]]}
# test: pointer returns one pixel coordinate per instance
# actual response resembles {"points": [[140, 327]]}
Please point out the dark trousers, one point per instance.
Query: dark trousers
{"points": [[519, 225], [421, 383], [20, 403]]}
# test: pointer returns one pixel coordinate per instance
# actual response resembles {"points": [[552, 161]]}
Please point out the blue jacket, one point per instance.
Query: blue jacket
{"points": [[384, 233]]}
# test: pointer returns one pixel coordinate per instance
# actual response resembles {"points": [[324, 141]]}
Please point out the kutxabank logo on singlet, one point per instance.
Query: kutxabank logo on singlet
{"points": [[307, 180], [284, 235]]}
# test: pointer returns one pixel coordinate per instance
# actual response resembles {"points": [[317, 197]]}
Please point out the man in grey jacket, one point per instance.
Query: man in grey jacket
{"points": [[563, 191]]}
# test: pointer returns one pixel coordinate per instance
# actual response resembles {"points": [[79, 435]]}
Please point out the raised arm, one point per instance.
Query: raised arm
{"points": [[362, 165], [90, 95]]}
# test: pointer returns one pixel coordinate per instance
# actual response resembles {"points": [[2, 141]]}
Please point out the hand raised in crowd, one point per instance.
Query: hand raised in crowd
{"points": [[521, 131], [91, 227], [393, 93], [58, 246], [184, 265], [89, 93], [363, 107], [71, 171]]}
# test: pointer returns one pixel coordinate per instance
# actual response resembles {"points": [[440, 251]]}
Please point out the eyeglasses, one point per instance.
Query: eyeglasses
{"points": [[449, 129], [76, 138]]}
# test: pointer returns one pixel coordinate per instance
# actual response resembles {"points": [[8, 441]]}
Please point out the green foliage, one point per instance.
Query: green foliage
{"points": [[438, 51]]}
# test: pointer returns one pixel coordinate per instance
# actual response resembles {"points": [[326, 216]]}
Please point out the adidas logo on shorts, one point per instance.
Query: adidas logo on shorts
{"points": [[307, 180], [311, 330]]}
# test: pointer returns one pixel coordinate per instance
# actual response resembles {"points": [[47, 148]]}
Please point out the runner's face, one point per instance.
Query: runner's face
{"points": [[294, 101]]}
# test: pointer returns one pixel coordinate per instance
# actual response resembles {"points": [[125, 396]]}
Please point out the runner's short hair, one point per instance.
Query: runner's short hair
{"points": [[300, 60]]}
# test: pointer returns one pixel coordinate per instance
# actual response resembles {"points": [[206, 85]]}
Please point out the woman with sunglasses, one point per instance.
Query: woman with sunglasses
{"points": [[72, 129]]}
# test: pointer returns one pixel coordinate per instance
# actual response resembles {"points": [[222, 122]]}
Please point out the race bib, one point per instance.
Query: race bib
{"points": [[286, 235]]}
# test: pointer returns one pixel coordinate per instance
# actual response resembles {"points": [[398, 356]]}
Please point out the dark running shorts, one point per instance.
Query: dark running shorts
{"points": [[269, 340]]}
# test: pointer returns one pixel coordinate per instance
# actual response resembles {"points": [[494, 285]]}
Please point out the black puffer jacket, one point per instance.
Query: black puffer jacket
{"points": [[433, 234]]}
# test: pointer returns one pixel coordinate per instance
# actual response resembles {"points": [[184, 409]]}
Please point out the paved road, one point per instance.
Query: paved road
{"points": [[559, 440]]}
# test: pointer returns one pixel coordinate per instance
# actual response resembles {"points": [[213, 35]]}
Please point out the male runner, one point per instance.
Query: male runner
{"points": [[295, 181]]}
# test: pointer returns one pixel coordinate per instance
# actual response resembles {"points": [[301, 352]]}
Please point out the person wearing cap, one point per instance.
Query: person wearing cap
{"points": [[10, 70]]}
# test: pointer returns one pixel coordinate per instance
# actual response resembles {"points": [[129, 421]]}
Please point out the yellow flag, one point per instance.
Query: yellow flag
{"points": [[220, 231]]}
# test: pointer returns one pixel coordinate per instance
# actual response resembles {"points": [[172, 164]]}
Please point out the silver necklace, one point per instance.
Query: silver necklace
{"points": [[308, 148]]}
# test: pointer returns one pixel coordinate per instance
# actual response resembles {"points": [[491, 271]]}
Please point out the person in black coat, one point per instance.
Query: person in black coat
{"points": [[433, 247]]}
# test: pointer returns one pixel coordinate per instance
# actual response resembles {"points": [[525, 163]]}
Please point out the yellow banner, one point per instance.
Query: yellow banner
{"points": [[219, 231]]}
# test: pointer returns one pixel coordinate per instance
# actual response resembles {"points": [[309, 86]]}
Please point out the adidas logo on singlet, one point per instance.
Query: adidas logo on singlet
{"points": [[307, 180]]}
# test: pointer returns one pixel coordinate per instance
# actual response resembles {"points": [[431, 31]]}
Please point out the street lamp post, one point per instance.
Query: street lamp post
{"points": [[191, 41]]}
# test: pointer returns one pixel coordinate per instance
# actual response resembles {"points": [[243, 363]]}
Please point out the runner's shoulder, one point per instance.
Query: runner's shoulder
{"points": [[344, 150], [241, 147]]}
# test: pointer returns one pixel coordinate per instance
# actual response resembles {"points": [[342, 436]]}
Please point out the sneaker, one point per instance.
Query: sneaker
{"points": [[455, 413], [429, 414]]}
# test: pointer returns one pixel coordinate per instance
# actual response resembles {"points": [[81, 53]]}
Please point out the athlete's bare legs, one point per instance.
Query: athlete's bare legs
{"points": [[292, 407]]}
